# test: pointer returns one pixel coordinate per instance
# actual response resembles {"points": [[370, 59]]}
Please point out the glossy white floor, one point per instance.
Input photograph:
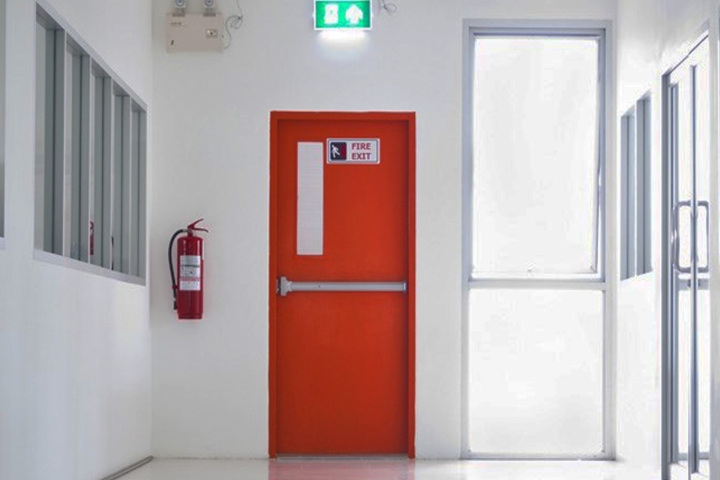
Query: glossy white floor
{"points": [[383, 470]]}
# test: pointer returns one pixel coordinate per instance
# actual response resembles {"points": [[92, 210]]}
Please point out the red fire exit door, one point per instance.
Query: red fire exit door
{"points": [[342, 236]]}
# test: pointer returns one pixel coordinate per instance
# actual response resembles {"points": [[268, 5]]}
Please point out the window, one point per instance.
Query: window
{"points": [[90, 156], [635, 227], [534, 236]]}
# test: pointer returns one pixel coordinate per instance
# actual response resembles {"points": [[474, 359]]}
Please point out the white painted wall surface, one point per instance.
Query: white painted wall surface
{"points": [[75, 388], [211, 155], [638, 327]]}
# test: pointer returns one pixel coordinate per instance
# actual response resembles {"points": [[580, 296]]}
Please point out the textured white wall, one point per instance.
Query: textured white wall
{"points": [[74, 348], [210, 379]]}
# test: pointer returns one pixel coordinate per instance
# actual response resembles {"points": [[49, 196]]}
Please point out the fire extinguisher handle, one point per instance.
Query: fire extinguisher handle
{"points": [[193, 226]]}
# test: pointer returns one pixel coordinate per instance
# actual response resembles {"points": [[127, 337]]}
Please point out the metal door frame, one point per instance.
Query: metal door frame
{"points": [[276, 119], [670, 449]]}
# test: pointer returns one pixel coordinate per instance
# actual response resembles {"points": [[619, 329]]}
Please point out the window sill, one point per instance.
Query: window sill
{"points": [[54, 259]]}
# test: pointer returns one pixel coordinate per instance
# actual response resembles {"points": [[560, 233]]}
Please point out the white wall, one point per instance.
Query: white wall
{"points": [[211, 155], [75, 357], [638, 334], [652, 36]]}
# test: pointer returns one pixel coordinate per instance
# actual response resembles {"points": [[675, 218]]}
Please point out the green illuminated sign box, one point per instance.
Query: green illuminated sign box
{"points": [[343, 15]]}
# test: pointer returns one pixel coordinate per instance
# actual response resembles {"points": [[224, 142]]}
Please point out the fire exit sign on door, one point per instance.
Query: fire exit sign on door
{"points": [[343, 15], [350, 151]]}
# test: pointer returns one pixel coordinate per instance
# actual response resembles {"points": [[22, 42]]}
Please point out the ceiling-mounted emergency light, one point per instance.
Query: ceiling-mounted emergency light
{"points": [[188, 31], [203, 31]]}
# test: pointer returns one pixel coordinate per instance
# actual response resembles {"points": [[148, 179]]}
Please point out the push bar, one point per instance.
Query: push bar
{"points": [[286, 286]]}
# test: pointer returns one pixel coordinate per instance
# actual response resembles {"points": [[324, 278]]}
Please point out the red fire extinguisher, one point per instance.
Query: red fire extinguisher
{"points": [[189, 284]]}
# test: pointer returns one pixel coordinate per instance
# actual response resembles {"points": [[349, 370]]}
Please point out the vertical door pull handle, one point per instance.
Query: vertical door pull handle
{"points": [[675, 238], [706, 205]]}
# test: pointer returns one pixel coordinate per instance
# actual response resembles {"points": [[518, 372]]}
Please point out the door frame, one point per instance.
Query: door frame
{"points": [[669, 465], [276, 119]]}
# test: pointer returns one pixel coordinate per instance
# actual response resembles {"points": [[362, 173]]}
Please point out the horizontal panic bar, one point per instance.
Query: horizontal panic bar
{"points": [[286, 286]]}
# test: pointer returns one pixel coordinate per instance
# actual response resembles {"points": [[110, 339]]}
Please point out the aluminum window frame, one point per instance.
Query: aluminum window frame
{"points": [[80, 133], [602, 31], [628, 205], [577, 29], [50, 205], [101, 169], [635, 190]]}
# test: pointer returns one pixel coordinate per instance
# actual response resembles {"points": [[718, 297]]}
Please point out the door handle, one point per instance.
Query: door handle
{"points": [[675, 238], [706, 205], [285, 286]]}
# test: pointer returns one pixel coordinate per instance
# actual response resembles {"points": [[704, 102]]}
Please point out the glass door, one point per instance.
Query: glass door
{"points": [[688, 334]]}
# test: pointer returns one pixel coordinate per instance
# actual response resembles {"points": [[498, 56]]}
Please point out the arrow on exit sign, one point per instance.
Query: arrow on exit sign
{"points": [[343, 15]]}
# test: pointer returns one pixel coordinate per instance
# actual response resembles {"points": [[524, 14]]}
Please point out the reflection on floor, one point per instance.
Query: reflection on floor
{"points": [[391, 469]]}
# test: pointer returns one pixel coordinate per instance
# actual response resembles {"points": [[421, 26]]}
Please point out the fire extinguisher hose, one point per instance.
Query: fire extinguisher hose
{"points": [[172, 269]]}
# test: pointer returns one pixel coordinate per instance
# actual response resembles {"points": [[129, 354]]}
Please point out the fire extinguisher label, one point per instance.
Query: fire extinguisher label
{"points": [[190, 273], [186, 286], [190, 260]]}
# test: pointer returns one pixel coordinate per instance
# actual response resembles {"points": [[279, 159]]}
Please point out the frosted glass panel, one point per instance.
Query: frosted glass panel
{"points": [[535, 155], [704, 373], [310, 199], [536, 372], [702, 132], [702, 155], [684, 319], [683, 381]]}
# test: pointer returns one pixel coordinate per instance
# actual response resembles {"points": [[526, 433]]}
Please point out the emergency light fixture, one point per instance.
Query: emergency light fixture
{"points": [[343, 15]]}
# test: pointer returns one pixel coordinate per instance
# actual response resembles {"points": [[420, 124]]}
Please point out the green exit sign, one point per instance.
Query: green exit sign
{"points": [[343, 15]]}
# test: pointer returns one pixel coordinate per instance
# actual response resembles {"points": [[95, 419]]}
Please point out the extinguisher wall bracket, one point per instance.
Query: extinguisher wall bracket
{"points": [[194, 228]]}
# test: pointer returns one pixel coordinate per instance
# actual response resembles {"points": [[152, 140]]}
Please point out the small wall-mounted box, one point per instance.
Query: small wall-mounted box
{"points": [[194, 32]]}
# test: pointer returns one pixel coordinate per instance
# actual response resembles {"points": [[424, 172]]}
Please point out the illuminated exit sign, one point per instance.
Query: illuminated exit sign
{"points": [[348, 15]]}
